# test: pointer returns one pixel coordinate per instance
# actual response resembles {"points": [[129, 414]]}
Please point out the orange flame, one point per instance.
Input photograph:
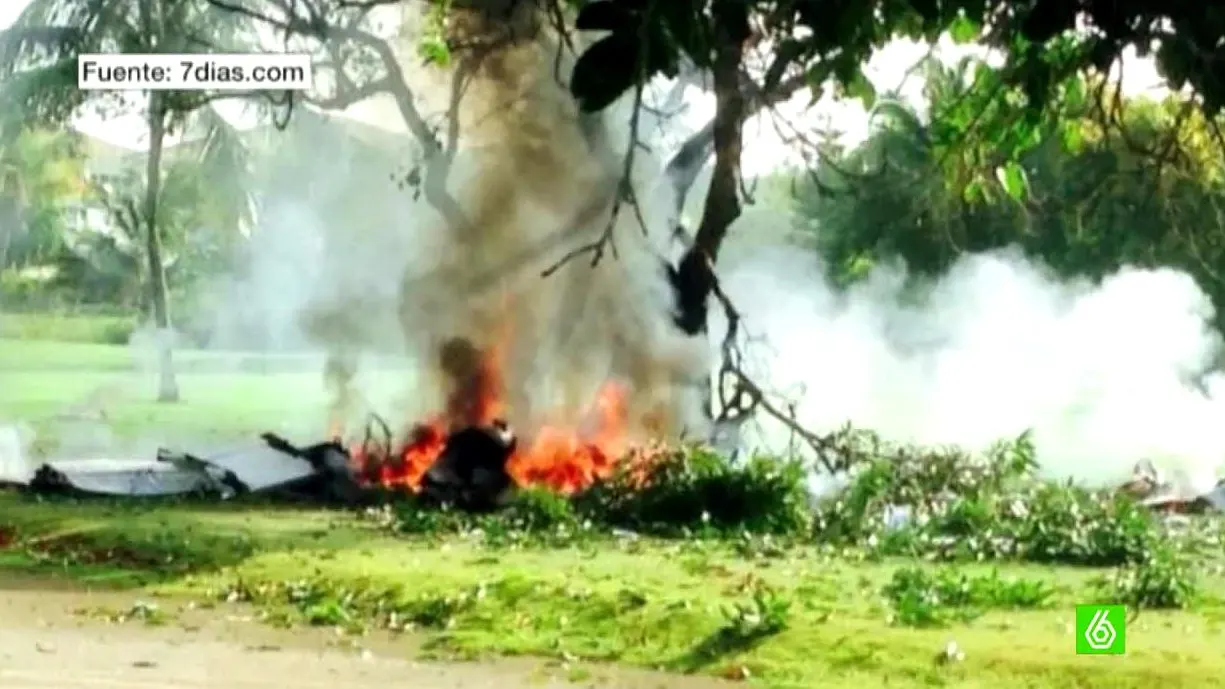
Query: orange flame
{"points": [[563, 459], [567, 460]]}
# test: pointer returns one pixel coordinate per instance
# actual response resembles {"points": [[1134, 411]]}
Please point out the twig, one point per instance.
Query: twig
{"points": [[306, 18], [748, 396], [382, 424], [625, 193]]}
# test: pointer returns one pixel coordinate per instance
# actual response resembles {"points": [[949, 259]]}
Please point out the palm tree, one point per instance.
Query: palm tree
{"points": [[37, 74], [40, 174]]}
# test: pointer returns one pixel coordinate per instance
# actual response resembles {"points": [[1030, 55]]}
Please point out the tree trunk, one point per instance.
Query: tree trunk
{"points": [[693, 278], [6, 239], [11, 215], [168, 387]]}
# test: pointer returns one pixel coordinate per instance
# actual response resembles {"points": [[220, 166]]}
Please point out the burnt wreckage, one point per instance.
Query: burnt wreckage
{"points": [[470, 473]]}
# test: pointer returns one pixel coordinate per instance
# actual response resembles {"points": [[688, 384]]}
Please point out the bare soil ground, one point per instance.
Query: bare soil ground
{"points": [[55, 637]]}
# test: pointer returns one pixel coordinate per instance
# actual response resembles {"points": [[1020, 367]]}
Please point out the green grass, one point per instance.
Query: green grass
{"points": [[62, 327], [52, 386], [55, 387], [18, 355], [660, 604]]}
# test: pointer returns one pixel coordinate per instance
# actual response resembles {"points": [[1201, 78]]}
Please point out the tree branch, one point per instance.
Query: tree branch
{"points": [[625, 193], [305, 18], [683, 168], [747, 396]]}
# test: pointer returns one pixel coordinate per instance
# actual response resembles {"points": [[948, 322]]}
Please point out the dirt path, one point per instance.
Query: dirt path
{"points": [[52, 639]]}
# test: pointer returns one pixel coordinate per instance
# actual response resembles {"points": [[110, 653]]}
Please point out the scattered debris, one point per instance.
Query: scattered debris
{"points": [[1144, 480], [1154, 490], [469, 472], [468, 469], [951, 653], [271, 466], [133, 478]]}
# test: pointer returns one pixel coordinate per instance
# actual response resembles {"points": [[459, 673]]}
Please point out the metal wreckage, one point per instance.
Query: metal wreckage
{"points": [[466, 468], [1152, 489]]}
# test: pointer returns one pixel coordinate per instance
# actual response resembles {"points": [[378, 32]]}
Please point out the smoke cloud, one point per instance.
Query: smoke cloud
{"points": [[534, 180], [1103, 374]]}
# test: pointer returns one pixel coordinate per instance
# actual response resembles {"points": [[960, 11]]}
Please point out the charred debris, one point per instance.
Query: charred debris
{"points": [[469, 472], [468, 469]]}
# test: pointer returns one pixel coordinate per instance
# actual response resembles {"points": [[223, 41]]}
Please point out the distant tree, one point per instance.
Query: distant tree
{"points": [[1145, 189], [104, 258], [38, 81], [41, 173]]}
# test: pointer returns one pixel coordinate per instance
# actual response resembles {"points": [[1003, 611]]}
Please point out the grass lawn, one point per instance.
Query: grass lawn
{"points": [[661, 604], [797, 617], [67, 327], [55, 387]]}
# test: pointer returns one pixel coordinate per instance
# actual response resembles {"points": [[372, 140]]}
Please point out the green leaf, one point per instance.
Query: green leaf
{"points": [[434, 51], [1012, 177], [973, 192], [964, 30], [862, 88], [1073, 137], [1074, 93]]}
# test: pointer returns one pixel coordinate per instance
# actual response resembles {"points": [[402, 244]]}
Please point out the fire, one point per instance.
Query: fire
{"points": [[406, 467], [568, 460], [554, 456]]}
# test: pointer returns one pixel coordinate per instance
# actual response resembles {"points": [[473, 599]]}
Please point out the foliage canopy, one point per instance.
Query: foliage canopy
{"points": [[1044, 41]]}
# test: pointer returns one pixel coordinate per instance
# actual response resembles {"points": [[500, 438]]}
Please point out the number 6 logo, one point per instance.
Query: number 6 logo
{"points": [[1100, 633]]}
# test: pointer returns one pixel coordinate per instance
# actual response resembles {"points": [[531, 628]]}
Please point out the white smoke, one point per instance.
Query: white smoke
{"points": [[1103, 374]]}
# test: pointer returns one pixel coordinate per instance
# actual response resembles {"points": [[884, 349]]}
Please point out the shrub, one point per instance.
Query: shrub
{"points": [[695, 490], [925, 598], [537, 509], [412, 515], [535, 516], [926, 482], [954, 506], [687, 492], [1164, 580], [1066, 524]]}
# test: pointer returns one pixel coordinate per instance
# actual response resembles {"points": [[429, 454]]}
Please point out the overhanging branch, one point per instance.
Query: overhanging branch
{"points": [[306, 18]]}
